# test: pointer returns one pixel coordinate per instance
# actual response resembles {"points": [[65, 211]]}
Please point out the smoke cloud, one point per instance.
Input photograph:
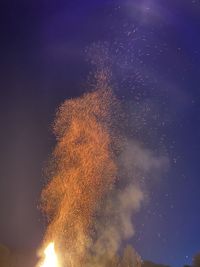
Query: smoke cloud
{"points": [[136, 164]]}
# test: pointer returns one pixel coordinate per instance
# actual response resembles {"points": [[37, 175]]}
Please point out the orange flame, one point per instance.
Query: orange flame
{"points": [[50, 259]]}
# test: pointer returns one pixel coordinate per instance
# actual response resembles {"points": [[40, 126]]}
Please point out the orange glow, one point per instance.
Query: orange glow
{"points": [[82, 169], [50, 259]]}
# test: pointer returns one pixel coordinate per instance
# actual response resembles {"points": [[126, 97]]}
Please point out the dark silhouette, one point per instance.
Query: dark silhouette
{"points": [[5, 257], [196, 260], [10, 258], [152, 264]]}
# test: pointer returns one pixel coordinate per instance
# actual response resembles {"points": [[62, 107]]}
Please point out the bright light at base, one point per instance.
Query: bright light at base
{"points": [[50, 259]]}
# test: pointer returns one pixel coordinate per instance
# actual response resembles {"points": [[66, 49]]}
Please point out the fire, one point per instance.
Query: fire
{"points": [[50, 259]]}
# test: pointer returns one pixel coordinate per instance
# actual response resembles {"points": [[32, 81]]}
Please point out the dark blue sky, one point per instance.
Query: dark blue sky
{"points": [[43, 63]]}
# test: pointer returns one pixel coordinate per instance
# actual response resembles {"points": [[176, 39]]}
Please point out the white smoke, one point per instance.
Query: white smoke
{"points": [[115, 221]]}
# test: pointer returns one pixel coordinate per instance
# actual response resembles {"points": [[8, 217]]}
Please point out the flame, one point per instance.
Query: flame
{"points": [[50, 259]]}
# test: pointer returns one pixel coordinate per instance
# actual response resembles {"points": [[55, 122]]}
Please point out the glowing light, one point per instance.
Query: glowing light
{"points": [[50, 259], [84, 169]]}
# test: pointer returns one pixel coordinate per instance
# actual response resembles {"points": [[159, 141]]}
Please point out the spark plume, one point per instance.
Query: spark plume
{"points": [[83, 170]]}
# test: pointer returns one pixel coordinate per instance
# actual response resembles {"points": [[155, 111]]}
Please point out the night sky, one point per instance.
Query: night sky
{"points": [[155, 58]]}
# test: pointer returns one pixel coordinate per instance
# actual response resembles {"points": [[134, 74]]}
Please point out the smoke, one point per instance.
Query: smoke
{"points": [[115, 224], [96, 176]]}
